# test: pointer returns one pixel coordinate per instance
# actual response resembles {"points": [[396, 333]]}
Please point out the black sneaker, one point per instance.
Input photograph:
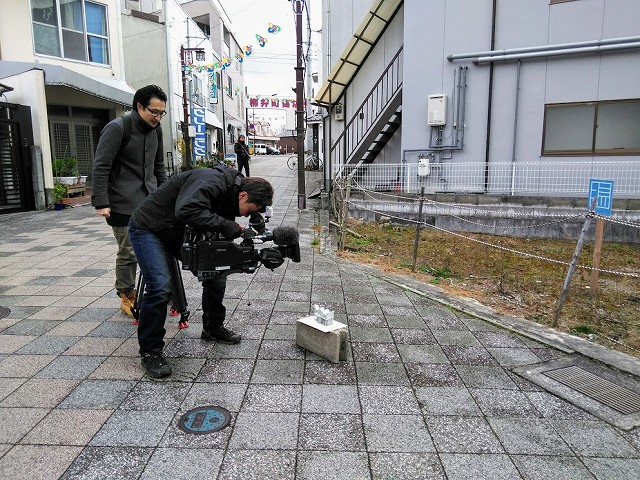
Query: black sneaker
{"points": [[222, 335], [155, 365]]}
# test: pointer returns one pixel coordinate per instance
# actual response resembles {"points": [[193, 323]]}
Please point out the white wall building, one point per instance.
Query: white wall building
{"points": [[502, 97]]}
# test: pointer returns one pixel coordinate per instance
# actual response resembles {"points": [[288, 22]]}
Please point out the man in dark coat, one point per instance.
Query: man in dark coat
{"points": [[128, 166], [207, 199], [242, 153]]}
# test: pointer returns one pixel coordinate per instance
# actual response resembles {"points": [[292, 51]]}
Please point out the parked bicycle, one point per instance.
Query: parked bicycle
{"points": [[311, 162]]}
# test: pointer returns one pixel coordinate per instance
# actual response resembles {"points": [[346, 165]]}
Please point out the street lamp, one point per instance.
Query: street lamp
{"points": [[200, 56]]}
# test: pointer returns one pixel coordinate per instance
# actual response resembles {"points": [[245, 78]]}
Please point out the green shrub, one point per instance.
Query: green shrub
{"points": [[65, 167], [59, 192]]}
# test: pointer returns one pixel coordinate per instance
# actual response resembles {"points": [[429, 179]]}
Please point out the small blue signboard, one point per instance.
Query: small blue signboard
{"points": [[603, 191], [200, 142], [203, 420]]}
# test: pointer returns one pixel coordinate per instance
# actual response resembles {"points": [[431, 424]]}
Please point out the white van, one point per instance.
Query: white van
{"points": [[260, 149]]}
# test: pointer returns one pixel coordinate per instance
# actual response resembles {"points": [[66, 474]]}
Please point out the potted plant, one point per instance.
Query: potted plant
{"points": [[65, 171], [59, 193]]}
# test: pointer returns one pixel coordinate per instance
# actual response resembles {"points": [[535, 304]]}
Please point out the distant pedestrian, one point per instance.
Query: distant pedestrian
{"points": [[128, 166], [242, 153]]}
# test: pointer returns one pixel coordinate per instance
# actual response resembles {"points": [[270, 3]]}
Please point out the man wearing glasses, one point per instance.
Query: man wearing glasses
{"points": [[128, 166]]}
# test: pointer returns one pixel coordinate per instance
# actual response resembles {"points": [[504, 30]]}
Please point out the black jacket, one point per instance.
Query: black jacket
{"points": [[241, 151], [202, 197]]}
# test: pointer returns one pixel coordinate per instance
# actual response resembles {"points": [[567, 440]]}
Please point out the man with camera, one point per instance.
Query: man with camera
{"points": [[203, 199]]}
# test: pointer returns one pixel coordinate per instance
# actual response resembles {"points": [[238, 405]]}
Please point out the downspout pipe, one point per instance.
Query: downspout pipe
{"points": [[487, 149], [544, 48], [555, 53], [515, 130]]}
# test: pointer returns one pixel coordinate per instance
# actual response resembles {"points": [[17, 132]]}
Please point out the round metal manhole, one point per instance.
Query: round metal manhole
{"points": [[4, 311], [203, 420]]}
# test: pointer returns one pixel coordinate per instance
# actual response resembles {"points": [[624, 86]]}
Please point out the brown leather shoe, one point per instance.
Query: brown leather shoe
{"points": [[127, 301]]}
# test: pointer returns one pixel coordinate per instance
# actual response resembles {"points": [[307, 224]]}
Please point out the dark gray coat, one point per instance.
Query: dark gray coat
{"points": [[121, 180]]}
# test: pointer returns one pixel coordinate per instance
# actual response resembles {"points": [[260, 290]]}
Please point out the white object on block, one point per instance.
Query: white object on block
{"points": [[323, 315]]}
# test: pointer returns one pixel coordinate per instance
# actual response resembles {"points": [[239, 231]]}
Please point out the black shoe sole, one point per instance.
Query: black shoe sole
{"points": [[211, 338]]}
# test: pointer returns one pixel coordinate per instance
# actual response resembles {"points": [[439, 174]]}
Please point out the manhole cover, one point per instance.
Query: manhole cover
{"points": [[4, 311], [203, 420]]}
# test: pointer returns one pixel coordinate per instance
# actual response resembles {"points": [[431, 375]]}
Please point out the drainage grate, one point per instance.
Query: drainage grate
{"points": [[4, 311], [619, 398]]}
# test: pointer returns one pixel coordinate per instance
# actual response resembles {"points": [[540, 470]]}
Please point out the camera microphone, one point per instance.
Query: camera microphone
{"points": [[285, 236]]}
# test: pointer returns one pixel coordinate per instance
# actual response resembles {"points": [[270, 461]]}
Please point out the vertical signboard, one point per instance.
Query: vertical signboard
{"points": [[200, 140], [213, 89]]}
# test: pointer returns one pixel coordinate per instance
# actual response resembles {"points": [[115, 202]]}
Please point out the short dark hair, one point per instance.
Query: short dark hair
{"points": [[259, 191], [144, 95], [240, 136]]}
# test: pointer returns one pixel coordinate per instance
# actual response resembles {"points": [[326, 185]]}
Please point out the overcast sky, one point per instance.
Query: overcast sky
{"points": [[270, 69]]}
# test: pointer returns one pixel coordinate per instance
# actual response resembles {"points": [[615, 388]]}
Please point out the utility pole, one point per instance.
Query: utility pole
{"points": [[302, 197], [186, 160]]}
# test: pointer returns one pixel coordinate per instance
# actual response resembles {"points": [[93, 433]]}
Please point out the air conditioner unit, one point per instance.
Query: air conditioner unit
{"points": [[338, 112]]}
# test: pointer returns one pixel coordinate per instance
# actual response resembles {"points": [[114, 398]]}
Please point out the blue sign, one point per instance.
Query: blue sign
{"points": [[200, 140], [603, 191]]}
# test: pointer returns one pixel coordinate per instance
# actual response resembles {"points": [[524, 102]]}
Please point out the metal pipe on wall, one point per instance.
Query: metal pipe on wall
{"points": [[515, 129]]}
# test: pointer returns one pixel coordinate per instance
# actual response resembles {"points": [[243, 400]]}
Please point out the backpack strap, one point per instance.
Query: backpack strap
{"points": [[126, 133]]}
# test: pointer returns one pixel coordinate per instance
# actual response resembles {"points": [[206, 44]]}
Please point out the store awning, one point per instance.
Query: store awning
{"points": [[116, 91], [211, 119], [357, 50]]}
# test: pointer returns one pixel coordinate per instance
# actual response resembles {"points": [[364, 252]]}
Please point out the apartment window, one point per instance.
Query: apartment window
{"points": [[230, 92], [593, 128], [73, 29]]}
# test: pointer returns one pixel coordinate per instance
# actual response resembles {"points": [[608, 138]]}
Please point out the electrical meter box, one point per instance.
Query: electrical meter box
{"points": [[423, 165], [437, 110]]}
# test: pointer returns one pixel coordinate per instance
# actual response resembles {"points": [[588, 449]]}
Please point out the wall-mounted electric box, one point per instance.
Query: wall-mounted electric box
{"points": [[437, 110], [338, 111]]}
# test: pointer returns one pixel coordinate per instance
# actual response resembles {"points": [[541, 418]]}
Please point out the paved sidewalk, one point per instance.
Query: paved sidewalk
{"points": [[427, 391]]}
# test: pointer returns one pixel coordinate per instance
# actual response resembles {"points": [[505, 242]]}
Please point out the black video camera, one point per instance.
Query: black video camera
{"points": [[207, 257]]}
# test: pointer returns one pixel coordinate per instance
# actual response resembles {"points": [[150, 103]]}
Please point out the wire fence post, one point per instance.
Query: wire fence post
{"points": [[597, 254], [345, 214], [418, 226], [572, 265]]}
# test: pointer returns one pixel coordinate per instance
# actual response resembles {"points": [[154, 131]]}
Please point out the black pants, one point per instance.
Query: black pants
{"points": [[213, 310], [243, 163]]}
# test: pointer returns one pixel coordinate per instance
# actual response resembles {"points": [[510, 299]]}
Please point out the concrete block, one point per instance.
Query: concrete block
{"points": [[329, 342]]}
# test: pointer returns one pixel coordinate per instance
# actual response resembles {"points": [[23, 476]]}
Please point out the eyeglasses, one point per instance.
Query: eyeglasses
{"points": [[156, 113]]}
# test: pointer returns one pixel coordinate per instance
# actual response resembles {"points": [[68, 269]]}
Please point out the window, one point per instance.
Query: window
{"points": [[73, 29], [593, 128], [230, 91]]}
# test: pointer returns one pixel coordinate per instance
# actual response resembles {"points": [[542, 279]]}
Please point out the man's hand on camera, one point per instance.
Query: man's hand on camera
{"points": [[230, 230], [104, 212]]}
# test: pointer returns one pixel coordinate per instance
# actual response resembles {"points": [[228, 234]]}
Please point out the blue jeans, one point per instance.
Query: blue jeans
{"points": [[153, 259]]}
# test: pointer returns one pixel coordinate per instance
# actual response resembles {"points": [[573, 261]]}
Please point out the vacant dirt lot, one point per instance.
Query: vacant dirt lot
{"points": [[515, 284]]}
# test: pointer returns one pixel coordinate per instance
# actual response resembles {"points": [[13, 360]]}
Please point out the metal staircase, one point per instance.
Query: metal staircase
{"points": [[374, 122]]}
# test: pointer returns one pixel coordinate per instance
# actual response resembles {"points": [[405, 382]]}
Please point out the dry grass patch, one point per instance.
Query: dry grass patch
{"points": [[515, 284]]}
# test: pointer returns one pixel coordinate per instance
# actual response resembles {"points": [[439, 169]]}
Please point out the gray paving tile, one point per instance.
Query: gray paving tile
{"points": [[333, 465], [226, 370], [272, 398], [93, 345], [71, 367], [265, 431], [336, 431], [176, 463], [280, 350], [433, 375], [466, 466], [330, 399], [48, 344], [381, 373], [11, 343], [454, 434], [67, 427], [551, 406], [278, 371], [388, 400], [413, 336], [552, 468], [422, 354], [114, 329], [405, 466], [228, 395], [370, 334], [528, 436], [397, 433], [37, 462], [375, 352], [258, 464], [404, 321], [485, 377], [174, 437], [46, 393], [455, 337], [504, 403], [15, 423], [156, 396], [140, 428], [366, 320], [463, 355], [31, 327], [610, 468], [98, 394], [121, 463], [89, 314], [499, 340], [245, 349], [9, 385], [513, 357], [593, 439], [21, 366], [323, 372], [447, 401]]}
